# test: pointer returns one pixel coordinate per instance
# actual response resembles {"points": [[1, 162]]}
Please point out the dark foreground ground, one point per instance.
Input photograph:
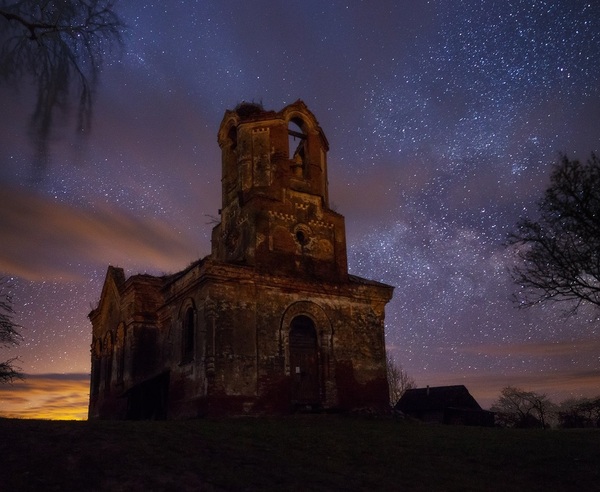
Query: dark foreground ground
{"points": [[310, 452]]}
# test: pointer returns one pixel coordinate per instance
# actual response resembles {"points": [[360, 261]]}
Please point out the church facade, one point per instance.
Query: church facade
{"points": [[271, 321]]}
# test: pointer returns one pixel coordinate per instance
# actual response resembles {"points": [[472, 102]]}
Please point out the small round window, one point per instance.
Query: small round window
{"points": [[302, 235]]}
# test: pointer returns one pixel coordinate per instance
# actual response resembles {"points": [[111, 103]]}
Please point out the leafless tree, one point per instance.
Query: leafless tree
{"points": [[519, 408], [581, 412], [398, 380], [9, 335], [59, 45], [560, 251]]}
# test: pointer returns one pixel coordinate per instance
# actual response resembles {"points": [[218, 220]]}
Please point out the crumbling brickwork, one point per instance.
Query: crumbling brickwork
{"points": [[270, 321]]}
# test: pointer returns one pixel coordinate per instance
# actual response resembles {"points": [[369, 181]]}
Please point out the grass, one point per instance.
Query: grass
{"points": [[308, 452]]}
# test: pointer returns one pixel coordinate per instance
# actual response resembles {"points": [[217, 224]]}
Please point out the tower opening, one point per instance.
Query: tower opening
{"points": [[297, 147]]}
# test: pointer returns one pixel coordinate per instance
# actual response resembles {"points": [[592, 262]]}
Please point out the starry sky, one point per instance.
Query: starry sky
{"points": [[444, 118]]}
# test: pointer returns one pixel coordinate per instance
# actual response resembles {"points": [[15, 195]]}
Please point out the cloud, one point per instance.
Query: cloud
{"points": [[535, 349], [46, 239], [46, 396]]}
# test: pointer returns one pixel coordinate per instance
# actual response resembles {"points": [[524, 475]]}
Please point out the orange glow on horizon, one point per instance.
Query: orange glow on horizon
{"points": [[46, 396]]}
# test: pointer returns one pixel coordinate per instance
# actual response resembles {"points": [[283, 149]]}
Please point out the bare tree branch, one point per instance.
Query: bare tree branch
{"points": [[518, 408], [398, 380], [60, 45], [9, 335], [559, 253]]}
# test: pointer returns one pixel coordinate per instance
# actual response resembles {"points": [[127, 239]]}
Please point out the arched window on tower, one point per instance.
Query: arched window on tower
{"points": [[297, 147], [232, 135], [188, 335]]}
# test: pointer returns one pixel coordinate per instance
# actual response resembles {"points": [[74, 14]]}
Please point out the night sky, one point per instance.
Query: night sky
{"points": [[444, 118]]}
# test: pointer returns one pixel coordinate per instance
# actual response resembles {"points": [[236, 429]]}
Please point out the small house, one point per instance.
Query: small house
{"points": [[444, 405]]}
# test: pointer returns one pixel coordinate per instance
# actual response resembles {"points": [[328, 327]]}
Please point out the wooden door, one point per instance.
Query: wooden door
{"points": [[304, 361]]}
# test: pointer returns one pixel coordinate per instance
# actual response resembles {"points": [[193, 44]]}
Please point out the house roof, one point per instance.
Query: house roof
{"points": [[436, 399]]}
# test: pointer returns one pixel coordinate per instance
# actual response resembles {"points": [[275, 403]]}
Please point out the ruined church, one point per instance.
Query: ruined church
{"points": [[270, 321]]}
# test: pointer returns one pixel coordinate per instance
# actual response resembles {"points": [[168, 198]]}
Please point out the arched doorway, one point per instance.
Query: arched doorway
{"points": [[304, 361]]}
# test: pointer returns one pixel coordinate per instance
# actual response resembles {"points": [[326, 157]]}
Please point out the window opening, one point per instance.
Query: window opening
{"points": [[232, 135], [297, 148], [302, 234], [96, 367], [120, 352], [107, 360], [188, 335]]}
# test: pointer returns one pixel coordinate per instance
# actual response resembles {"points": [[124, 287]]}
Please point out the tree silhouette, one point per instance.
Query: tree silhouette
{"points": [[398, 380], [9, 335], [582, 412], [59, 45], [518, 408], [560, 251]]}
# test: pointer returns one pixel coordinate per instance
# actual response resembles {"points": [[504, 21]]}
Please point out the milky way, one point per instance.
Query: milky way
{"points": [[443, 117]]}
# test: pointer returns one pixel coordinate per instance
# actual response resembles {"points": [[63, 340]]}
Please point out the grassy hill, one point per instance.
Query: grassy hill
{"points": [[308, 452]]}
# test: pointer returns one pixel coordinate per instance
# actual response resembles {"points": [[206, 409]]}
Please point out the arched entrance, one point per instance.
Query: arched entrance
{"points": [[304, 361]]}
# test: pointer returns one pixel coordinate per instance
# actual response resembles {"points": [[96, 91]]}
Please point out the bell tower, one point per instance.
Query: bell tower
{"points": [[275, 213]]}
